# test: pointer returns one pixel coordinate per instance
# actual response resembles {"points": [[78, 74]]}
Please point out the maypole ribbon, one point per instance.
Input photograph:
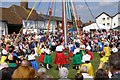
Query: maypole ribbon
{"points": [[50, 13], [53, 22], [68, 6], [75, 18], [27, 18], [74, 14], [32, 9]]}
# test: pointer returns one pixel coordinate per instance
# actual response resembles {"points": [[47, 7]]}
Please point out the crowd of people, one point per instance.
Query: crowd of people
{"points": [[23, 53]]}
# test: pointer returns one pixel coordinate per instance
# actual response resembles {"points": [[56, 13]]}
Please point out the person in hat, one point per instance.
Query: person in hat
{"points": [[60, 59], [48, 57]]}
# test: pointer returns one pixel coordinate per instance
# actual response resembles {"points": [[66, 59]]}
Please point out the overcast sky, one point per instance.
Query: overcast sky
{"points": [[96, 6]]}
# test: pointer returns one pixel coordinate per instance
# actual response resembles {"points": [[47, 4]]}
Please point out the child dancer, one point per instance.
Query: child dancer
{"points": [[77, 56], [60, 59], [48, 57], [31, 58], [41, 58]]}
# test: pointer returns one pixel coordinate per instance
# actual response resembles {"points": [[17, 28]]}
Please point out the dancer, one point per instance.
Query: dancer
{"points": [[32, 59], [77, 57], [60, 59], [41, 58], [48, 57], [4, 54]]}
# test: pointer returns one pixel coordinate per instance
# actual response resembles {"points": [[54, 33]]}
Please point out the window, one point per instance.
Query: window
{"points": [[104, 24], [114, 24], [103, 19], [108, 18], [119, 18], [108, 23]]}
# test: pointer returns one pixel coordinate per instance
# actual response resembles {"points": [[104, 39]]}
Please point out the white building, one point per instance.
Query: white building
{"points": [[107, 20], [3, 28], [116, 20]]}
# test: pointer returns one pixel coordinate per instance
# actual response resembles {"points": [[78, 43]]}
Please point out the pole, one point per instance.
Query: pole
{"points": [[65, 23]]}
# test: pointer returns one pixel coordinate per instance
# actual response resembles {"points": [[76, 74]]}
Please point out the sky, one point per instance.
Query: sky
{"points": [[96, 7]]}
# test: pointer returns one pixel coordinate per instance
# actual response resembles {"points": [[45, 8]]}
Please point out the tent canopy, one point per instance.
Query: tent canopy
{"points": [[95, 26]]}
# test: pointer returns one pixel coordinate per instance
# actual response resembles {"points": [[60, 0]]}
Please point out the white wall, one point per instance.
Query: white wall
{"points": [[107, 20], [115, 21], [3, 28], [29, 24], [39, 24], [52, 25]]}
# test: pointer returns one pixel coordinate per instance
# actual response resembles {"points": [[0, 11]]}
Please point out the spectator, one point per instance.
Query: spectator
{"points": [[106, 67], [63, 73], [101, 74], [26, 63], [24, 72], [41, 73], [5, 71], [86, 60], [114, 49], [78, 76], [4, 54], [114, 61], [11, 59], [85, 72]]}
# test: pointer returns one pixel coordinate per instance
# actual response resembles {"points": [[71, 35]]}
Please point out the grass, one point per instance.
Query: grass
{"points": [[53, 72]]}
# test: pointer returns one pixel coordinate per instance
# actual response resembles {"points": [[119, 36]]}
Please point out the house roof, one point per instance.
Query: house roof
{"points": [[117, 28], [15, 14], [2, 20], [103, 13], [9, 16], [56, 18], [116, 14]]}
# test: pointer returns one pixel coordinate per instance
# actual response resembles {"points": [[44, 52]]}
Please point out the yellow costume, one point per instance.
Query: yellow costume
{"points": [[90, 68], [102, 61], [107, 51], [38, 50], [3, 58]]}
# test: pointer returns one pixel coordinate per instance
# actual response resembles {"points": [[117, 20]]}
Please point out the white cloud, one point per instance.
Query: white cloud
{"points": [[106, 2], [84, 7], [81, 7]]}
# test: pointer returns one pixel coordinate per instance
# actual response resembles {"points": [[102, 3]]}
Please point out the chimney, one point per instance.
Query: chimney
{"points": [[24, 3]]}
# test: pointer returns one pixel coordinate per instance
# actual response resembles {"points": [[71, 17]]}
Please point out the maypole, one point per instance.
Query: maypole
{"points": [[50, 14], [64, 22]]}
